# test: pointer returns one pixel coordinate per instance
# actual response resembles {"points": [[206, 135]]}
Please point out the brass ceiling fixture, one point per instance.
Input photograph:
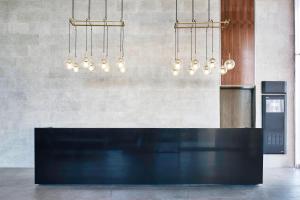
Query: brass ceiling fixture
{"points": [[193, 26], [88, 60]]}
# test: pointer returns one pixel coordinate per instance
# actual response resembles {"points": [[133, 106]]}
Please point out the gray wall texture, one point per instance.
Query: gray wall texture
{"points": [[37, 91], [275, 62]]}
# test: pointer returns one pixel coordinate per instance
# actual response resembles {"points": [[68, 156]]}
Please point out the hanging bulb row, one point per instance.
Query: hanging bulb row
{"points": [[194, 65], [207, 68], [87, 62], [210, 63]]}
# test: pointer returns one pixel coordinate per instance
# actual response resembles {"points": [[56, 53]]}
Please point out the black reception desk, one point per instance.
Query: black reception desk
{"points": [[148, 156]]}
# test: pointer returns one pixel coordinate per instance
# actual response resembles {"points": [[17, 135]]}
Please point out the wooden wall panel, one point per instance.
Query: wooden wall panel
{"points": [[238, 39]]}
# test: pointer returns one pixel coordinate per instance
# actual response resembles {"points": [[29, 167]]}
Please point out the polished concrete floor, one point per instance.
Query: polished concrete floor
{"points": [[279, 184]]}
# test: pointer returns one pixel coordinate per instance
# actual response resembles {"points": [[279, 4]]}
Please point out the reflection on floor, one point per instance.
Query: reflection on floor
{"points": [[279, 184]]}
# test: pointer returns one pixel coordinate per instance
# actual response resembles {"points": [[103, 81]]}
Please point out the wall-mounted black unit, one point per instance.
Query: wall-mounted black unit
{"points": [[274, 116], [273, 87], [148, 156]]}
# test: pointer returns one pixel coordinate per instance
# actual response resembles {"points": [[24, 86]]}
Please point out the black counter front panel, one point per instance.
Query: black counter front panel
{"points": [[148, 156]]}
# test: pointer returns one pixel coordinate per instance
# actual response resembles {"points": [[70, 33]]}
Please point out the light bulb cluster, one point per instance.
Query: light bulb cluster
{"points": [[228, 65], [206, 69], [88, 63], [194, 67], [210, 61]]}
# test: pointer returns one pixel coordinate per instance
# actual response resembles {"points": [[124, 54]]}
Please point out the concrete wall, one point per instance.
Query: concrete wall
{"points": [[275, 61], [37, 91]]}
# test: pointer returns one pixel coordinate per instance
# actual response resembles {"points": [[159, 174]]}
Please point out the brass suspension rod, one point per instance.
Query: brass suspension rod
{"points": [[88, 22], [208, 24], [204, 27]]}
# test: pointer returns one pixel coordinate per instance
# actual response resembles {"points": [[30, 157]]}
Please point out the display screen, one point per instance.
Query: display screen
{"points": [[274, 105]]}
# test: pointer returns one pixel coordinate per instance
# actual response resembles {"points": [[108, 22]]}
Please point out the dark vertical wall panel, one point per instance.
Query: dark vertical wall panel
{"points": [[238, 39]]}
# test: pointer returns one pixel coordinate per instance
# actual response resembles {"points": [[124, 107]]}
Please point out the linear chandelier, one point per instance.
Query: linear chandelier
{"points": [[88, 60], [193, 26]]}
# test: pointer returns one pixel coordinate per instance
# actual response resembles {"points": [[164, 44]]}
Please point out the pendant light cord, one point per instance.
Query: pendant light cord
{"points": [[75, 41], [122, 31], [107, 41], [193, 10], [175, 37], [195, 40], [73, 8], [193, 20], [220, 46], [191, 44], [176, 33], [105, 10], [86, 29], [122, 10], [195, 25], [176, 20], [178, 42], [86, 37], [212, 38], [106, 16], [123, 39], [104, 37], [91, 41], [104, 30], [208, 8], [206, 43], [176, 10], [89, 10], [122, 42], [212, 28], [69, 38]]}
